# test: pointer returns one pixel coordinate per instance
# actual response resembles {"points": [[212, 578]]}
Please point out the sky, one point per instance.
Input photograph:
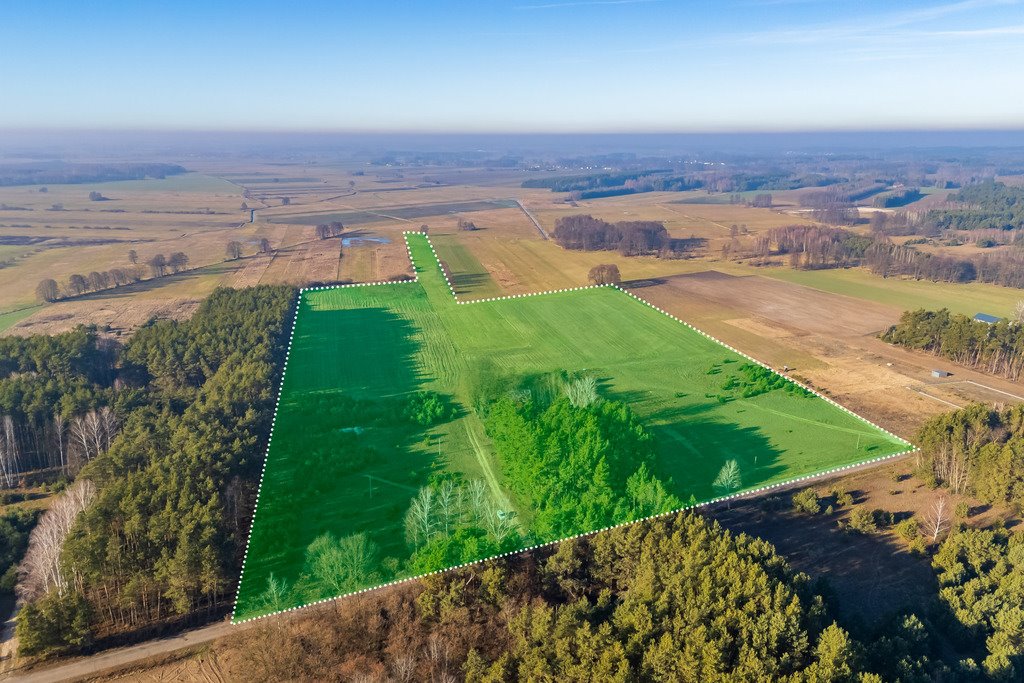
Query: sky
{"points": [[515, 66]]}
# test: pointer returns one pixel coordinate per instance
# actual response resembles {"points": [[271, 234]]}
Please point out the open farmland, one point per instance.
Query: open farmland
{"points": [[361, 349]]}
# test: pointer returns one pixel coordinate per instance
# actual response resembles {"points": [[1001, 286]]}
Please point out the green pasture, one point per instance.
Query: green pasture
{"points": [[383, 342]]}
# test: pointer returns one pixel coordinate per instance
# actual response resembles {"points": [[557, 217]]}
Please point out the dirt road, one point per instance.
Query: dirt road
{"points": [[113, 659], [540, 228]]}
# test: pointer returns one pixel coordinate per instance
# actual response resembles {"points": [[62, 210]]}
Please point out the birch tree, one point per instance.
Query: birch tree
{"points": [[936, 521], [41, 570], [10, 458]]}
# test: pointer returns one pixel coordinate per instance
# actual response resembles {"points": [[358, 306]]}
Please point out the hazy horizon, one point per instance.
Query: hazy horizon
{"points": [[521, 66]]}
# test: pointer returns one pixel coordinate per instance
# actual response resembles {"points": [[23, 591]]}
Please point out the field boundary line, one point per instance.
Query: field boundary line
{"points": [[745, 493]]}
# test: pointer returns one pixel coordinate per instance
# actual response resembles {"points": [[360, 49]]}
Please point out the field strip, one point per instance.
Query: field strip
{"points": [[790, 416], [693, 218], [999, 391], [485, 467], [934, 398], [900, 443], [536, 223]]}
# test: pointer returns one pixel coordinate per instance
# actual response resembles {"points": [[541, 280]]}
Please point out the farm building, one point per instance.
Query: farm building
{"points": [[941, 373], [986, 318]]}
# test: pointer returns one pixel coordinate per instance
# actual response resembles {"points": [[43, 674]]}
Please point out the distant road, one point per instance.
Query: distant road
{"points": [[114, 659], [535, 221]]}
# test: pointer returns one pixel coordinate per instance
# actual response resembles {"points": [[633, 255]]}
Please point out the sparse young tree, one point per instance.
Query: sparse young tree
{"points": [[265, 246], [47, 290], [234, 250], [728, 479], [420, 519], [285, 201], [1018, 313], [133, 257], [935, 522]]}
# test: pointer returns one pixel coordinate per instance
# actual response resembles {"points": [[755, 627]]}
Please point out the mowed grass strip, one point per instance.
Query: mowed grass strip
{"points": [[386, 341]]}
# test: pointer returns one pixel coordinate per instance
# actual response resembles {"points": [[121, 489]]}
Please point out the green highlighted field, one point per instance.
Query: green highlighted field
{"points": [[415, 432]]}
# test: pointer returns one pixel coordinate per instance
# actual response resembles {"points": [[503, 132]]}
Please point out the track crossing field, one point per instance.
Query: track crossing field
{"points": [[386, 341]]}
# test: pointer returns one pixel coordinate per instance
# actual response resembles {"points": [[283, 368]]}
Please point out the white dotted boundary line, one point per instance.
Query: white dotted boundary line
{"points": [[266, 454], [767, 367], [746, 493]]}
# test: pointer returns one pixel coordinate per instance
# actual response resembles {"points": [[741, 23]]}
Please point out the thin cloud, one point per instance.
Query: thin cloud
{"points": [[586, 3], [869, 25]]}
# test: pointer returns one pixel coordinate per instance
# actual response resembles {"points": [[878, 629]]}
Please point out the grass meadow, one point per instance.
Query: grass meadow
{"points": [[385, 341]]}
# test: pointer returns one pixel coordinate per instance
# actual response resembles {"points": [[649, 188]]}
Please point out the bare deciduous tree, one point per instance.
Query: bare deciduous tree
{"points": [[60, 431], [419, 520], [41, 569], [10, 454], [94, 431], [728, 479], [935, 522]]}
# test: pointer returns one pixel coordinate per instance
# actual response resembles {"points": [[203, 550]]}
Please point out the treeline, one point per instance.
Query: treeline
{"points": [[326, 230], [724, 181], [611, 185], [994, 348], [987, 205], [676, 599], [814, 246], [897, 198], [825, 247], [50, 290], [629, 238], [594, 181], [57, 173], [834, 206], [58, 404], [578, 463], [158, 521], [886, 258]]}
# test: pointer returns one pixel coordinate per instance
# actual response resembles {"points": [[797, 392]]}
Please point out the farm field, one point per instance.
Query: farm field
{"points": [[364, 348]]}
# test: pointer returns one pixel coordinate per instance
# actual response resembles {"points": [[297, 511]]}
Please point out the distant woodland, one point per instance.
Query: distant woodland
{"points": [[59, 172], [629, 238]]}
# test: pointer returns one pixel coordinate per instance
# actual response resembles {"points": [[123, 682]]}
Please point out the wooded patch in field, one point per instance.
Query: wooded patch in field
{"points": [[381, 468]]}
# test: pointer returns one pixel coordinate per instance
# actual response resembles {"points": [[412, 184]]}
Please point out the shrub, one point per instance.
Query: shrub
{"points": [[842, 496], [862, 521], [427, 408], [807, 501], [907, 529]]}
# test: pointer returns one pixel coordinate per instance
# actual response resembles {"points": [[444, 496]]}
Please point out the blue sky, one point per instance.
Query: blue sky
{"points": [[522, 65]]}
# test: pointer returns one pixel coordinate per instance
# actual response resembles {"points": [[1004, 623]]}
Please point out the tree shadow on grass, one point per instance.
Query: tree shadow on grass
{"points": [[465, 282], [345, 459], [692, 451]]}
